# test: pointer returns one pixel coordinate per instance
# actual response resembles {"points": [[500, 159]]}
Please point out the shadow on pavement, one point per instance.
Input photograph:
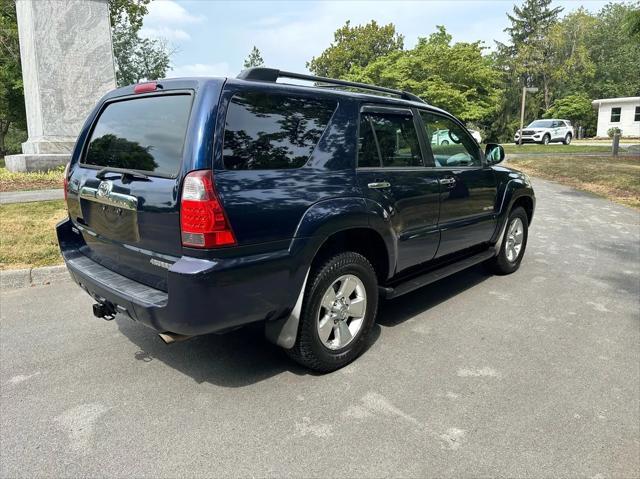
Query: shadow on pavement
{"points": [[398, 310], [244, 357]]}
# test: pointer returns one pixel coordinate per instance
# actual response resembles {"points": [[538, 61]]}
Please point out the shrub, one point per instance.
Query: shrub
{"points": [[613, 131]]}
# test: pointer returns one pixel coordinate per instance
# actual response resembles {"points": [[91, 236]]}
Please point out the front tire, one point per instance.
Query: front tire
{"points": [[339, 308], [546, 139], [514, 243]]}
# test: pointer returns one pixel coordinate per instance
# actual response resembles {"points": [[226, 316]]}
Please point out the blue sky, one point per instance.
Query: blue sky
{"points": [[213, 38]]}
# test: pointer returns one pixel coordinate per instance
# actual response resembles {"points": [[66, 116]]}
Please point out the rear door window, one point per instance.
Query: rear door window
{"points": [[272, 132], [145, 134], [388, 140]]}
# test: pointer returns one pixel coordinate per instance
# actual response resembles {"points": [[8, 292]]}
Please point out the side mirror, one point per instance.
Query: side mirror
{"points": [[494, 153]]}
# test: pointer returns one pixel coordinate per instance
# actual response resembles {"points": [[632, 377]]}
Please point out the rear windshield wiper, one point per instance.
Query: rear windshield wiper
{"points": [[121, 171]]}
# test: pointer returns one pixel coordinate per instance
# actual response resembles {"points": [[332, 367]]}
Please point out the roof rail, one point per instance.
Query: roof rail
{"points": [[272, 75]]}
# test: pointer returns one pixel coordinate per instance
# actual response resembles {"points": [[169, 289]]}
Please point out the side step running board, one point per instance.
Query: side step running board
{"points": [[435, 275]]}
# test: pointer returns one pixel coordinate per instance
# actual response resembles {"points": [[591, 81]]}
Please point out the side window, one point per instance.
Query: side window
{"points": [[271, 132], [615, 114], [368, 154], [450, 144], [389, 140]]}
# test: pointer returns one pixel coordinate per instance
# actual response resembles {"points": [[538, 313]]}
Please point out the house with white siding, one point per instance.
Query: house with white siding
{"points": [[623, 113]]}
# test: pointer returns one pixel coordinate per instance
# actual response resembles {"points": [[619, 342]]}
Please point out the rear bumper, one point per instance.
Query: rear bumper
{"points": [[203, 296]]}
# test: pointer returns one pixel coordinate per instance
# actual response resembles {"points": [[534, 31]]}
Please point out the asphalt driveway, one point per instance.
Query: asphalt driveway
{"points": [[535, 374]]}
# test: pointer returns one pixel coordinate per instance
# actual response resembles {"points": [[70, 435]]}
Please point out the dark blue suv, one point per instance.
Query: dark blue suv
{"points": [[201, 205]]}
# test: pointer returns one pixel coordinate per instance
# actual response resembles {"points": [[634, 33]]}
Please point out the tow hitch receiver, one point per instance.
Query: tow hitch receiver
{"points": [[106, 311]]}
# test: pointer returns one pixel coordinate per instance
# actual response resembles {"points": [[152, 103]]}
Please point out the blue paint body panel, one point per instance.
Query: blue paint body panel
{"points": [[280, 218]]}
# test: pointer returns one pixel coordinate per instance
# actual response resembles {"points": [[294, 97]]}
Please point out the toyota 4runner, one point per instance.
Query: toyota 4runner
{"points": [[201, 205]]}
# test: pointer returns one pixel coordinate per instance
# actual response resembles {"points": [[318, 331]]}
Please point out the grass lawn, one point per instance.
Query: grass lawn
{"points": [[556, 148], [27, 234], [10, 181], [616, 179]]}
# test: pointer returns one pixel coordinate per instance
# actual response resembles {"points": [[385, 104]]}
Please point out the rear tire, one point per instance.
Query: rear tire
{"points": [[567, 139], [339, 308], [514, 243]]}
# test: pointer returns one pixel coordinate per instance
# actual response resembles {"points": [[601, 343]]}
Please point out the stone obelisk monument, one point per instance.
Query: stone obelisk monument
{"points": [[67, 65]]}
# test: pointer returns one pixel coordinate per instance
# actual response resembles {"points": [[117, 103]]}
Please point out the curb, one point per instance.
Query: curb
{"points": [[24, 278]]}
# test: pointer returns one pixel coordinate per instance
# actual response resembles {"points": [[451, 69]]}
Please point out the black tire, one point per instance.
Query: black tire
{"points": [[308, 349], [501, 264], [444, 142], [567, 139], [546, 139]]}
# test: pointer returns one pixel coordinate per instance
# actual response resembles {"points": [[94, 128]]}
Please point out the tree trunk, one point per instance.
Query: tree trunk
{"points": [[545, 84], [4, 129]]}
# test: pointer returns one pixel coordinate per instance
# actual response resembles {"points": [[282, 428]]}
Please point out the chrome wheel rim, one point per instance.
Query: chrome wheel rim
{"points": [[342, 311], [515, 237]]}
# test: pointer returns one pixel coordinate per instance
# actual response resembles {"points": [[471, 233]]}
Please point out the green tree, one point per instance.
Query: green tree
{"points": [[254, 59], [136, 58], [12, 112], [456, 77], [133, 11], [615, 53], [633, 22], [570, 40], [577, 108], [528, 53], [356, 47]]}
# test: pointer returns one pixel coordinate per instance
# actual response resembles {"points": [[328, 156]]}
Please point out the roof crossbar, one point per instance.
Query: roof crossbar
{"points": [[272, 75]]}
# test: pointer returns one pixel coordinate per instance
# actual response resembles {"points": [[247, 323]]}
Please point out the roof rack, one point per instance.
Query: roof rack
{"points": [[272, 75]]}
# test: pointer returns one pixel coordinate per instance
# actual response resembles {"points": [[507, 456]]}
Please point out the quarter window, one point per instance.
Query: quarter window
{"points": [[389, 140], [615, 114], [450, 143], [272, 132]]}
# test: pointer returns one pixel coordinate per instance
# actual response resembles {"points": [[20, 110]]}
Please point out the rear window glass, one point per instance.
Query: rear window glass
{"points": [[144, 134], [270, 132]]}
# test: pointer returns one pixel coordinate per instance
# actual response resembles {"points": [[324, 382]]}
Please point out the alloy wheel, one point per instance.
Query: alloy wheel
{"points": [[515, 237], [342, 311]]}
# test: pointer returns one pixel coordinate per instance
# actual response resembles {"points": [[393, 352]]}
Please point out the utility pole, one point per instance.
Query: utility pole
{"points": [[524, 96]]}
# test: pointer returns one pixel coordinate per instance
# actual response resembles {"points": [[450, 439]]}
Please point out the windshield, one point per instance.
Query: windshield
{"points": [[145, 134], [540, 124]]}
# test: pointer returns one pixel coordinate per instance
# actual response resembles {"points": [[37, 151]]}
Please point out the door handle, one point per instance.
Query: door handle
{"points": [[379, 185], [448, 181]]}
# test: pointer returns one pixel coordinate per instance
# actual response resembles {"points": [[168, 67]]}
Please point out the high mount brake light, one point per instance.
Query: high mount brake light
{"points": [[145, 87], [203, 222]]}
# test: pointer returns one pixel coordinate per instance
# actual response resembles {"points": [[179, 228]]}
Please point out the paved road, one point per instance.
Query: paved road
{"points": [[29, 196], [536, 375]]}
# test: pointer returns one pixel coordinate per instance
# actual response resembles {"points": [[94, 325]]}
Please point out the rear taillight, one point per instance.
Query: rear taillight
{"points": [[203, 222], [65, 181]]}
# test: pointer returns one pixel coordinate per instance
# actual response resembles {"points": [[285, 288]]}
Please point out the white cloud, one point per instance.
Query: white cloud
{"points": [[288, 41], [168, 12], [175, 34], [221, 69], [167, 19]]}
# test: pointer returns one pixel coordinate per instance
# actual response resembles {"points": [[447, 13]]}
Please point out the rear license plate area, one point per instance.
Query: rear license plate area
{"points": [[112, 222]]}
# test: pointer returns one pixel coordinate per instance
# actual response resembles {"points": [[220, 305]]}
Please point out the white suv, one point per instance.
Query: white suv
{"points": [[546, 131]]}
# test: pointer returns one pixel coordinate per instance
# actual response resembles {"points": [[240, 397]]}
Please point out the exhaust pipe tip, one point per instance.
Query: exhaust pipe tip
{"points": [[170, 338]]}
